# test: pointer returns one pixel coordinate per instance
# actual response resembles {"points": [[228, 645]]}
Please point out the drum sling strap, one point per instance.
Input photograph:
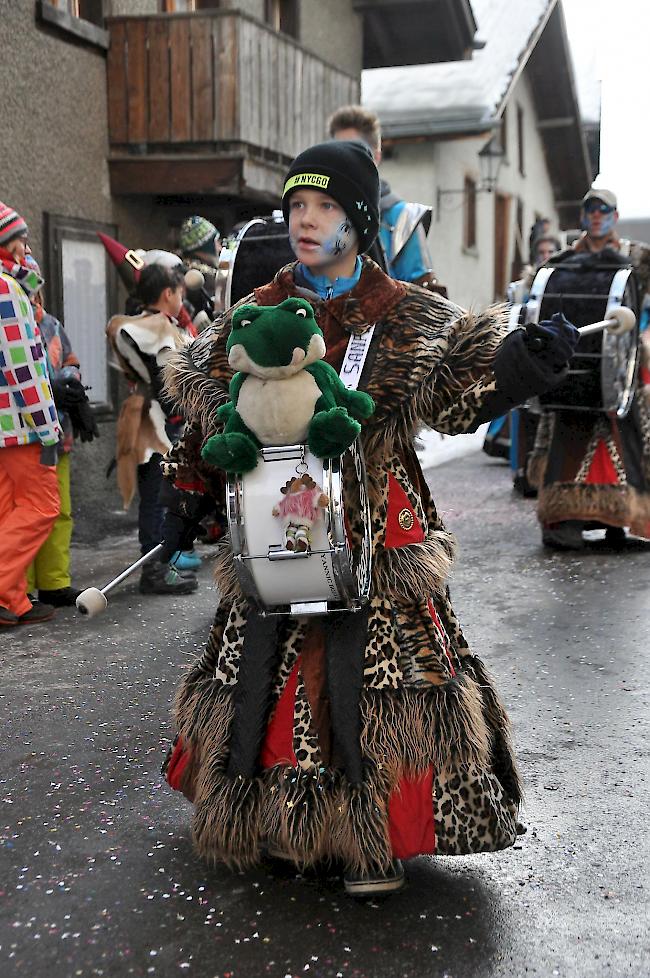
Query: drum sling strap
{"points": [[345, 635]]}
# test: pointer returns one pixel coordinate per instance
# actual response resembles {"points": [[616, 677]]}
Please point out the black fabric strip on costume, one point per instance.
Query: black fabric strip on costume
{"points": [[252, 697], [346, 636], [370, 356]]}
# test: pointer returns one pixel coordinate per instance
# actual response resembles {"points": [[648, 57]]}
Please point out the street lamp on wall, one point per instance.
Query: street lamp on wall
{"points": [[490, 158]]}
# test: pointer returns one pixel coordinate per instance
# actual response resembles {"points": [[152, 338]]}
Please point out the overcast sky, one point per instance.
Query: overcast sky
{"points": [[610, 39]]}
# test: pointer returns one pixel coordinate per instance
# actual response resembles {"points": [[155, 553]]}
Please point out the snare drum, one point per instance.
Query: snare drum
{"points": [[334, 573], [602, 373], [260, 250]]}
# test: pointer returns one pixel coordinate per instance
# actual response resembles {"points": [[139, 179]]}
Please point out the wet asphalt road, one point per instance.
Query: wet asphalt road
{"points": [[97, 872]]}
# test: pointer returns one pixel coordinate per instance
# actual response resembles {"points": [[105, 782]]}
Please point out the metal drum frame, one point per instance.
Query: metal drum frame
{"points": [[618, 354], [349, 583], [241, 236]]}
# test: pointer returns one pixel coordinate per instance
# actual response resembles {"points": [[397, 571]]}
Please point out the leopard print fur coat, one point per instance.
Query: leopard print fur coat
{"points": [[431, 719]]}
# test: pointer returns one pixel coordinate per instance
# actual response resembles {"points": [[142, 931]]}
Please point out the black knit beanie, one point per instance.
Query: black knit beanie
{"points": [[346, 171]]}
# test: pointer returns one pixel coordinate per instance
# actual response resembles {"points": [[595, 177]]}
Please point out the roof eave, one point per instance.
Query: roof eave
{"points": [[414, 126]]}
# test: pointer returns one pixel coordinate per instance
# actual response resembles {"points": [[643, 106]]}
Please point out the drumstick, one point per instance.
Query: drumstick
{"points": [[621, 320], [93, 601]]}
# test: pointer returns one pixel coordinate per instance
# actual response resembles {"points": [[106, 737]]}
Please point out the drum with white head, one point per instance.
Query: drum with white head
{"points": [[334, 573], [587, 289], [261, 249]]}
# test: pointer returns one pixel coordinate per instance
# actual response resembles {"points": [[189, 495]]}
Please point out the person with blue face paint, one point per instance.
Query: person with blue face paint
{"points": [[598, 218], [592, 470], [359, 739]]}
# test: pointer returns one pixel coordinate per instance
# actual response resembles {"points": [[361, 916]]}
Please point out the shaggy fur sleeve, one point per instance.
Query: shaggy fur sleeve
{"points": [[440, 367], [198, 378], [515, 374], [434, 366], [461, 388]]}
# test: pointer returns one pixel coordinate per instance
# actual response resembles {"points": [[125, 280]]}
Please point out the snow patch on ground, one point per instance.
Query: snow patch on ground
{"points": [[438, 449]]}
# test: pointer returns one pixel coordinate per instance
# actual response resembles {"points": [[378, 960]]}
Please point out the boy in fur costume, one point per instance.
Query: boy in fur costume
{"points": [[369, 737]]}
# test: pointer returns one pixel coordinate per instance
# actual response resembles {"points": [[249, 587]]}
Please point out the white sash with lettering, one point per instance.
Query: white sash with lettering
{"points": [[355, 357]]}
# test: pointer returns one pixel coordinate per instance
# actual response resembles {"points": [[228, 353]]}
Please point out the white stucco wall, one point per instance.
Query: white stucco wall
{"points": [[417, 169]]}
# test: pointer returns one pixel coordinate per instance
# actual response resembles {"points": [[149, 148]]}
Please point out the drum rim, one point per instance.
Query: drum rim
{"points": [[241, 235], [238, 240], [627, 395]]}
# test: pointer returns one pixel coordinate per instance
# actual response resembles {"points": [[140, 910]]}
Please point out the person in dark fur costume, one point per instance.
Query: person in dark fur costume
{"points": [[368, 737], [592, 470]]}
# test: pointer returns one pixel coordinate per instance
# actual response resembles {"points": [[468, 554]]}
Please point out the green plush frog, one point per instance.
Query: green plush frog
{"points": [[283, 392]]}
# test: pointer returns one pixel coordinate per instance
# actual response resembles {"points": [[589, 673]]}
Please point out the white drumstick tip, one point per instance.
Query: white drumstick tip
{"points": [[91, 602], [623, 318]]}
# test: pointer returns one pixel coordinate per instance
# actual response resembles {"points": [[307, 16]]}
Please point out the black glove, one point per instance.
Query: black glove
{"points": [[83, 421], [181, 521], [554, 340], [68, 392]]}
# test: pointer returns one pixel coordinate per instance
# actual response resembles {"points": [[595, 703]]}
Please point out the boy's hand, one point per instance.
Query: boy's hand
{"points": [[553, 339]]}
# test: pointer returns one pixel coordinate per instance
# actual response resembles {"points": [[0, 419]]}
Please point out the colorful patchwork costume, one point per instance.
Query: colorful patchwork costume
{"points": [[29, 426]]}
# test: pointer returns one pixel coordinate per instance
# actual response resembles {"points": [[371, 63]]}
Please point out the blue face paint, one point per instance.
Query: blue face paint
{"points": [[607, 223], [342, 240], [320, 232]]}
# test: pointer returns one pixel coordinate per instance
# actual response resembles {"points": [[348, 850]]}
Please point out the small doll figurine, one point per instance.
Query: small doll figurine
{"points": [[302, 501]]}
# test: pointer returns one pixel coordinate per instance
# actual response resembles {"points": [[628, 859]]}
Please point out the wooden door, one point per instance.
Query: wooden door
{"points": [[501, 212]]}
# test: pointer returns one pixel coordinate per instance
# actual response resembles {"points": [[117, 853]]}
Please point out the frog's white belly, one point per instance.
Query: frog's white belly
{"points": [[279, 411]]}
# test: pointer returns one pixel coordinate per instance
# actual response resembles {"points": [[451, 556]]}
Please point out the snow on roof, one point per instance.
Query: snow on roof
{"points": [[588, 85], [459, 94]]}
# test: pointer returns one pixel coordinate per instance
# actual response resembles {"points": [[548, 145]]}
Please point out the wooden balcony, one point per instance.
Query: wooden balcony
{"points": [[212, 103]]}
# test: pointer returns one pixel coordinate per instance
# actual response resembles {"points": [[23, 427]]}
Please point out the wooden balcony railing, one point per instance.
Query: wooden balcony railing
{"points": [[189, 82]]}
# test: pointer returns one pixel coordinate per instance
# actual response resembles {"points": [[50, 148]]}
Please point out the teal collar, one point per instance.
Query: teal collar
{"points": [[322, 286]]}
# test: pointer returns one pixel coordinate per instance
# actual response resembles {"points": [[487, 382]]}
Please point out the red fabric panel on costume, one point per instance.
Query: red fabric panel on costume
{"points": [[196, 485], [398, 502], [602, 471], [278, 743], [410, 817], [177, 764], [185, 322], [644, 375]]}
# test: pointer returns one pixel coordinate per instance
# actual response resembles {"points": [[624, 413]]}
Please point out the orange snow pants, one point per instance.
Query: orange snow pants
{"points": [[29, 505]]}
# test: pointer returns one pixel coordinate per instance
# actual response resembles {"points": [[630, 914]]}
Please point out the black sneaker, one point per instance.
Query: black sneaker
{"points": [[615, 537], [564, 536], [7, 617], [61, 597], [375, 884], [522, 487], [37, 613], [157, 579]]}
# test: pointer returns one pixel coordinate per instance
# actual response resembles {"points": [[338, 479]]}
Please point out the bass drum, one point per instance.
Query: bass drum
{"points": [[603, 371], [333, 574], [260, 250]]}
